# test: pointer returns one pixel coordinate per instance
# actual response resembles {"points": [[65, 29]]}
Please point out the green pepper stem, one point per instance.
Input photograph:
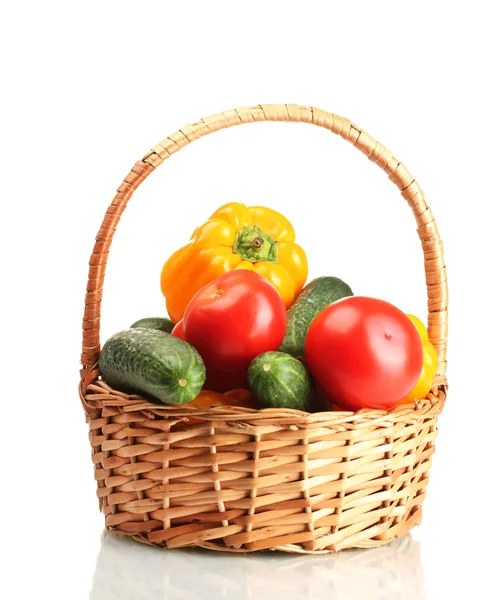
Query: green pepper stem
{"points": [[252, 244]]}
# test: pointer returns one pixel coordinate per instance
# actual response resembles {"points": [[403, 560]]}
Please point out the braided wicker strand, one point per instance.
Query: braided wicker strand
{"points": [[239, 480]]}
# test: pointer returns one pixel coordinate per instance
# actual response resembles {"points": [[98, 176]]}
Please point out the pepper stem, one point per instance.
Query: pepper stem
{"points": [[252, 244]]}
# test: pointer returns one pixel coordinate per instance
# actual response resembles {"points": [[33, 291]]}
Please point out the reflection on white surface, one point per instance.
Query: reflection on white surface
{"points": [[129, 570]]}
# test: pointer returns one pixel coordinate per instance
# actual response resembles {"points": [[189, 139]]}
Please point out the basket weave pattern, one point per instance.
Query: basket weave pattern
{"points": [[240, 480]]}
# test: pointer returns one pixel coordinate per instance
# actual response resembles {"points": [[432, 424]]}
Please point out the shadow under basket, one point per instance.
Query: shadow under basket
{"points": [[239, 480]]}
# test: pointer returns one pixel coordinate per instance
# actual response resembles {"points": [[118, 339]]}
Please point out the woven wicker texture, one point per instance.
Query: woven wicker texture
{"points": [[240, 480]]}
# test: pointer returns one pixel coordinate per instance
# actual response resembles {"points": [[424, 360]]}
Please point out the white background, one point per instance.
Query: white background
{"points": [[88, 88]]}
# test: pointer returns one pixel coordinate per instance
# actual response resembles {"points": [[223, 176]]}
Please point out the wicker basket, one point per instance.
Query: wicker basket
{"points": [[240, 480]]}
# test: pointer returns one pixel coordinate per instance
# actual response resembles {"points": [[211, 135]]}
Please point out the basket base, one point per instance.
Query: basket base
{"points": [[361, 540]]}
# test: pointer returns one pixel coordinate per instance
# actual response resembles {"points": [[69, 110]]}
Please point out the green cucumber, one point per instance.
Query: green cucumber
{"points": [[279, 380], [159, 323], [311, 301], [152, 362]]}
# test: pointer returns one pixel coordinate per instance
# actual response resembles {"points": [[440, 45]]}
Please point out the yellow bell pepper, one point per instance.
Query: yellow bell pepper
{"points": [[424, 384], [235, 237]]}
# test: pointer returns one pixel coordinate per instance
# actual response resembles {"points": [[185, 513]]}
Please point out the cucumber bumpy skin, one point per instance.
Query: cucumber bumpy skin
{"points": [[154, 363], [312, 300], [160, 323], [278, 380]]}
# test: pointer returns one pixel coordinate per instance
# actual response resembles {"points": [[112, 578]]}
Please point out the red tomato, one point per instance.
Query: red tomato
{"points": [[178, 330], [230, 321], [364, 353], [223, 380]]}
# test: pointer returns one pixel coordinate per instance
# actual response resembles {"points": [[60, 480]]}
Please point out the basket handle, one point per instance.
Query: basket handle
{"points": [[435, 270]]}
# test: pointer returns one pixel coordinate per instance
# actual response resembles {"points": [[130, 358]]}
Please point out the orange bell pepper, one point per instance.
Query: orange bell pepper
{"points": [[207, 398], [424, 384], [237, 397], [235, 237]]}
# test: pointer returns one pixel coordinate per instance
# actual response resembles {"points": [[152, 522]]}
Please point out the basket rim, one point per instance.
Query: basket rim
{"points": [[103, 395]]}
